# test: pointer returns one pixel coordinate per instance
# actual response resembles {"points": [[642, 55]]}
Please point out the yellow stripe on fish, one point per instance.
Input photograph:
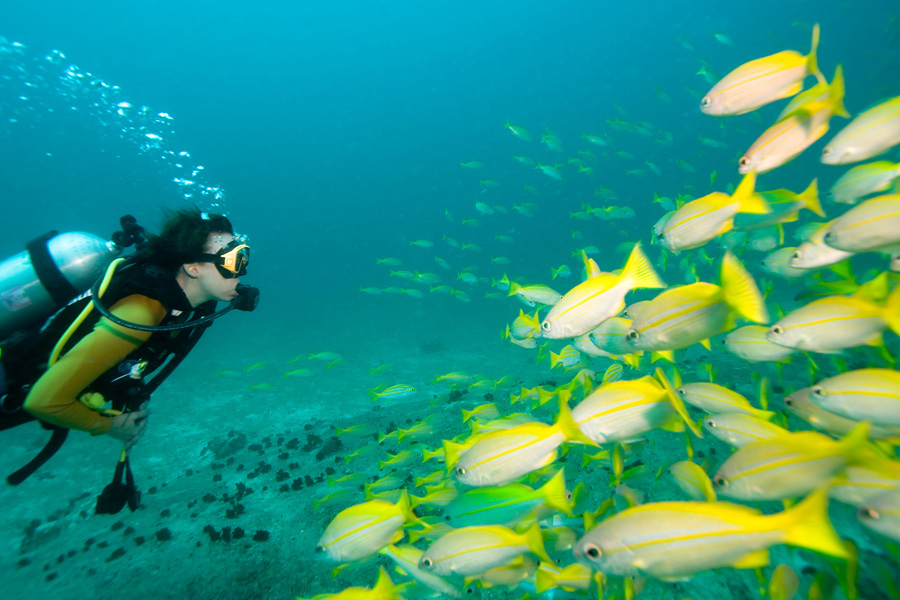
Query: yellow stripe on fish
{"points": [[593, 301]]}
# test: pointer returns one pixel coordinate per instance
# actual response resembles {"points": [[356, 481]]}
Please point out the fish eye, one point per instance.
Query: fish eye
{"points": [[868, 512], [818, 392], [545, 325], [777, 330], [705, 102], [795, 255], [592, 551], [826, 151], [710, 423], [426, 563], [788, 401], [681, 391], [745, 160], [460, 471], [470, 590], [720, 481], [633, 335], [320, 549]]}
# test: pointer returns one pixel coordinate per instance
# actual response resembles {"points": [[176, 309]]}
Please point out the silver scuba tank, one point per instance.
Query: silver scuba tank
{"points": [[53, 269]]}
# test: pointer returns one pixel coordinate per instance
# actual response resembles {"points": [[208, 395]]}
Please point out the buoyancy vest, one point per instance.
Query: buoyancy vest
{"points": [[25, 355]]}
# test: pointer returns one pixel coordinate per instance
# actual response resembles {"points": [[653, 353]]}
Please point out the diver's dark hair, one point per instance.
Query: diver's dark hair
{"points": [[183, 237]]}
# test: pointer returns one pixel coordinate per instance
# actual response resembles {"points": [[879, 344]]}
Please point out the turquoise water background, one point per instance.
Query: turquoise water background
{"points": [[333, 135]]}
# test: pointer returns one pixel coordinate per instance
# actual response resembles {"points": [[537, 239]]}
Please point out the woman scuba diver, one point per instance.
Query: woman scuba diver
{"points": [[148, 316]]}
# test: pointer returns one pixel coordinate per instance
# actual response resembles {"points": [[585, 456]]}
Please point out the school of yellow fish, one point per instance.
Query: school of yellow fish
{"points": [[499, 510]]}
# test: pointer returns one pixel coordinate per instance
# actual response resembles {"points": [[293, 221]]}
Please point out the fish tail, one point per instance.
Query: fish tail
{"points": [[678, 403], [810, 198], [373, 393], [640, 272], [748, 200], [741, 292], [806, 525], [565, 422], [514, 288], [892, 310], [812, 64], [855, 445], [836, 94], [554, 359], [536, 543], [544, 580], [554, 493], [384, 587]]}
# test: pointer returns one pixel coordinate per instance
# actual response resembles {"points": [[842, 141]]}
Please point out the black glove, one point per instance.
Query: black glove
{"points": [[247, 298]]}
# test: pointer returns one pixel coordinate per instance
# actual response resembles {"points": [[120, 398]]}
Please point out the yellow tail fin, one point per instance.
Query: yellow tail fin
{"points": [[810, 198], [740, 291], [836, 94], [806, 525], [812, 66], [640, 272]]}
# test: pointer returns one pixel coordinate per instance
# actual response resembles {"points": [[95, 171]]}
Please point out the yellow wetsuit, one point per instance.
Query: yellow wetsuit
{"points": [[54, 398]]}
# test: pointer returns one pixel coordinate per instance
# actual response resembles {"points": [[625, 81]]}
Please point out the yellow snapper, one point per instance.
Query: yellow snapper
{"points": [[470, 551], [703, 219], [800, 405], [689, 314], [625, 410], [814, 252], [593, 301], [611, 336], [503, 456], [862, 395], [569, 356], [675, 540], [882, 515], [872, 132], [785, 206], [507, 505], [834, 323], [750, 343], [384, 590], [714, 399], [788, 466], [873, 224], [693, 480], [407, 558], [859, 484], [787, 138], [761, 81], [362, 530], [862, 180], [740, 429], [534, 294], [778, 263]]}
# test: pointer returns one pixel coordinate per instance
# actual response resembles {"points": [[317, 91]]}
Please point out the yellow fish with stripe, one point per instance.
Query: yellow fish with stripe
{"points": [[834, 323], [593, 301], [503, 456], [362, 530], [788, 466], [862, 180], [686, 315], [872, 132], [701, 220], [789, 137], [675, 540], [471, 551], [759, 82], [862, 395], [873, 224]]}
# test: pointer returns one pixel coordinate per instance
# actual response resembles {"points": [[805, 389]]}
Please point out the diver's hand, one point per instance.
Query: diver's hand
{"points": [[129, 427]]}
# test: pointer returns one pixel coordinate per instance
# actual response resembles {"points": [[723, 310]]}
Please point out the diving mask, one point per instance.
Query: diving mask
{"points": [[231, 260]]}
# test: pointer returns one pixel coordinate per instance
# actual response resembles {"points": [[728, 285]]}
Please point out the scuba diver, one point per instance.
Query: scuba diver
{"points": [[135, 326]]}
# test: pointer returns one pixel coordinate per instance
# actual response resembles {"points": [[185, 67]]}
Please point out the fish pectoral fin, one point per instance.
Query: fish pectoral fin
{"points": [[754, 560]]}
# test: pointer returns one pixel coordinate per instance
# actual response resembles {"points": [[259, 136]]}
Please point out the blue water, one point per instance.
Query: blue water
{"points": [[332, 134]]}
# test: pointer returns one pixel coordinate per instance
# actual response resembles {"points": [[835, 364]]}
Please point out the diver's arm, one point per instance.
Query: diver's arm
{"points": [[54, 398]]}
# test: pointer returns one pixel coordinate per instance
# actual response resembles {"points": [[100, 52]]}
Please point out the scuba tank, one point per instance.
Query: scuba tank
{"points": [[52, 270]]}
